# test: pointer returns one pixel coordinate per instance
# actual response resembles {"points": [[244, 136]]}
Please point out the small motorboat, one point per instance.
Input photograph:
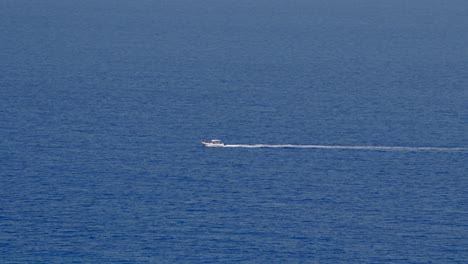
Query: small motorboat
{"points": [[212, 143]]}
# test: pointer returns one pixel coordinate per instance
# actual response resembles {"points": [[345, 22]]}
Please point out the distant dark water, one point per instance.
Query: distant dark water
{"points": [[103, 105]]}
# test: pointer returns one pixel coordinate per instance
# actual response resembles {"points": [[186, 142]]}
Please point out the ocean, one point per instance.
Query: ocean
{"points": [[347, 124]]}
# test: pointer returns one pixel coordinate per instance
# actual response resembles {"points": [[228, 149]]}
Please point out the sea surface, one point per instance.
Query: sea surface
{"points": [[104, 103]]}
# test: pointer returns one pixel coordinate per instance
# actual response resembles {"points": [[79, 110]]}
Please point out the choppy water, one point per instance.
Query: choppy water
{"points": [[346, 125]]}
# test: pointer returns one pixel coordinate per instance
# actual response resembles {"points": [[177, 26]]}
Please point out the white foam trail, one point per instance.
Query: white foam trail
{"points": [[384, 148]]}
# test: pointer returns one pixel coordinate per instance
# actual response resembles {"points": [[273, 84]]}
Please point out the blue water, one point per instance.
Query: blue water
{"points": [[103, 105]]}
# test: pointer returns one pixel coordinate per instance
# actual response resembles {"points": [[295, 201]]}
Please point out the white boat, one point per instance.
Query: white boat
{"points": [[213, 143]]}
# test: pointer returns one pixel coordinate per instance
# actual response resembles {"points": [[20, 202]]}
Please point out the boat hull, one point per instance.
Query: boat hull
{"points": [[212, 145]]}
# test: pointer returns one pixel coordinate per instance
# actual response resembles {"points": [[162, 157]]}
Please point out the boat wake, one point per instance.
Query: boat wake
{"points": [[383, 148]]}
